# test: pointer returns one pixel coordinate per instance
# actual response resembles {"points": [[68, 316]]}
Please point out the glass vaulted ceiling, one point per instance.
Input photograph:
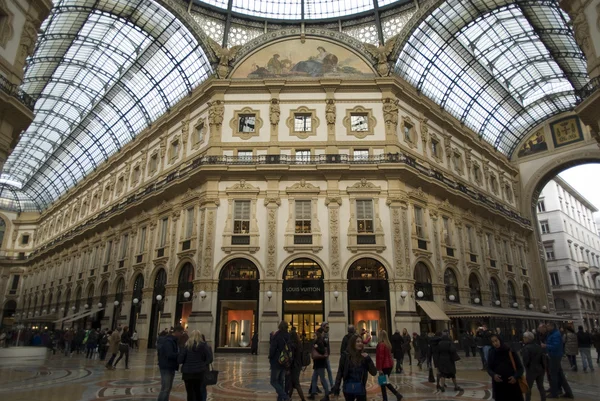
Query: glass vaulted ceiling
{"points": [[500, 67], [102, 71]]}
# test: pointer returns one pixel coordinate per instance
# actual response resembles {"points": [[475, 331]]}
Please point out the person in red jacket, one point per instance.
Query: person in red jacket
{"points": [[384, 363]]}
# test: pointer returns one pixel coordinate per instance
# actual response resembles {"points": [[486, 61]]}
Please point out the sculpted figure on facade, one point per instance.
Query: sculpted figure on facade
{"points": [[216, 110], [581, 28], [330, 111], [381, 53], [390, 113], [274, 112], [225, 56]]}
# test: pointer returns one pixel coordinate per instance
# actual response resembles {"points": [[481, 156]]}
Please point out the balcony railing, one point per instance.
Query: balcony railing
{"points": [[303, 239], [190, 167], [16, 92], [583, 266]]}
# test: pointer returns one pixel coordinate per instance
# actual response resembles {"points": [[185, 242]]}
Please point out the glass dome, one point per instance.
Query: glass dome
{"points": [[299, 9]]}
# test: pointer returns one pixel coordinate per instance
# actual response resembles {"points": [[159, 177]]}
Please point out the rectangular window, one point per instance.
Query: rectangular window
{"points": [[360, 154], [545, 227], [15, 282], [108, 252], [241, 217], [435, 148], [490, 245], [302, 122], [25, 239], [164, 224], [174, 150], [507, 255], [471, 239], [407, 132], [447, 234], [549, 252], [521, 256], [303, 217], [142, 244], [124, 246], [541, 206], [419, 229], [554, 279], [476, 173], [199, 133], [244, 155], [247, 123], [303, 156], [189, 223], [153, 163], [364, 216], [359, 122]]}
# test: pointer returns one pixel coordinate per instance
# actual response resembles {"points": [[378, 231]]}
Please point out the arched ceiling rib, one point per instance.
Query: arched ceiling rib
{"points": [[102, 71], [501, 67]]}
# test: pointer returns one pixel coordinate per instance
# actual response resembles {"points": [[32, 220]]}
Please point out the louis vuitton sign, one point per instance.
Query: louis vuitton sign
{"points": [[303, 290], [368, 289]]}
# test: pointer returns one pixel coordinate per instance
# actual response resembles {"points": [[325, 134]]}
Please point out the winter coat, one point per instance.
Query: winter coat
{"points": [[433, 344], [344, 346], [406, 340], [383, 357], [570, 340], [499, 363], [348, 371], [279, 341], [113, 342], [584, 340], [596, 340], [534, 360], [195, 359], [321, 348], [168, 352], [445, 350], [397, 341], [554, 344], [92, 338]]}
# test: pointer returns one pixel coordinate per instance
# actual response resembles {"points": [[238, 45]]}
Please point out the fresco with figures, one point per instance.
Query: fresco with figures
{"points": [[534, 144], [311, 59]]}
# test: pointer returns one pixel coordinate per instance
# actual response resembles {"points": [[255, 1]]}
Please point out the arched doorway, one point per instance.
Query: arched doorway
{"points": [[512, 295], [103, 303], [475, 289], [369, 297], [8, 314], [451, 284], [303, 294], [136, 301], [423, 283], [118, 304], [185, 286], [91, 320], [158, 299], [237, 304], [527, 297], [77, 307], [495, 292], [65, 309]]}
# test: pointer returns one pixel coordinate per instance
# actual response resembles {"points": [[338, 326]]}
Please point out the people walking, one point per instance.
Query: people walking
{"points": [[91, 343], [254, 345], [353, 370], [466, 340], [596, 342], [397, 352], [113, 347], [406, 340], [446, 361], [124, 347], [345, 341], [504, 367], [320, 357], [195, 358], [385, 364], [168, 353], [325, 327], [534, 362], [571, 348], [280, 360], [423, 349], [584, 343], [554, 348], [134, 340], [103, 344], [297, 365]]}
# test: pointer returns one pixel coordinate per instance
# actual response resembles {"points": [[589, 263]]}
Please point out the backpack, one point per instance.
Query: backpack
{"points": [[306, 359], [285, 357]]}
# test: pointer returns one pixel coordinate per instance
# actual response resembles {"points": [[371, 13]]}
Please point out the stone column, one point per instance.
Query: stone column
{"points": [[143, 319], [169, 304], [272, 203], [271, 313], [202, 317]]}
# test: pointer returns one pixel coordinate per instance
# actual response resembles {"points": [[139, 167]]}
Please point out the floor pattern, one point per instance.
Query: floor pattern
{"points": [[242, 377]]}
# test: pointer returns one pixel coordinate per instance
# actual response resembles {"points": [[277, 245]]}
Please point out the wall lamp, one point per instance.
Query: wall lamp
{"points": [[497, 302], [420, 294], [403, 294], [202, 294], [100, 305], [336, 294], [269, 294], [135, 301], [530, 306], [186, 294], [116, 303]]}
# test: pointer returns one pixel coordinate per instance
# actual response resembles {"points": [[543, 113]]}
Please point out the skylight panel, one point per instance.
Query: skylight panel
{"points": [[317, 9]]}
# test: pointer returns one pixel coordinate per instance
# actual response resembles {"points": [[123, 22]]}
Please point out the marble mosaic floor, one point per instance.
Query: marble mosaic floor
{"points": [[242, 377]]}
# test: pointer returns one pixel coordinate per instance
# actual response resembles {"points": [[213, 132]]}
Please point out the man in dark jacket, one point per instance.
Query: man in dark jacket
{"points": [[596, 342], [484, 344], [534, 363], [351, 332], [584, 342], [397, 351], [554, 347], [279, 343], [168, 351]]}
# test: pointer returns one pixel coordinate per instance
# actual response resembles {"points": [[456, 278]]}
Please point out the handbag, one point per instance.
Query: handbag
{"points": [[455, 356], [355, 388], [316, 355], [382, 380], [211, 376], [520, 380]]}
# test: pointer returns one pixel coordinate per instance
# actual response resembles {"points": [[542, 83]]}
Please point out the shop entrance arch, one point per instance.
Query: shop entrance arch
{"points": [[158, 299], [185, 286]]}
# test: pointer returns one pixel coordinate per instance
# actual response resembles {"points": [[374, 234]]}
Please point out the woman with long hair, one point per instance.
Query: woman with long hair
{"points": [[296, 367], [385, 363], [195, 359], [505, 367], [355, 366], [124, 347]]}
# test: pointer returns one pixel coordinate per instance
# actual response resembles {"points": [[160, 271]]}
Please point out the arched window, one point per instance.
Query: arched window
{"points": [[475, 289], [593, 305], [120, 290], [451, 286], [185, 282], [138, 286], [104, 294], [588, 305], [367, 269], [303, 269], [239, 269], [526, 295], [78, 299], [561, 304], [423, 282], [495, 292], [512, 294], [159, 284], [581, 304]]}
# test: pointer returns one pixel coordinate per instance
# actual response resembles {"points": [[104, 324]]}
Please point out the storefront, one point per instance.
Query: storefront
{"points": [[158, 296], [136, 301], [369, 297], [185, 290], [303, 294], [237, 309]]}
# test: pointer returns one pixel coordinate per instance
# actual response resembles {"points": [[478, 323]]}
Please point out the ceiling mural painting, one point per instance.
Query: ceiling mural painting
{"points": [[312, 59]]}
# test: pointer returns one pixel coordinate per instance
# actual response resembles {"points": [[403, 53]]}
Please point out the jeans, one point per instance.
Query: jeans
{"points": [[166, 383], [123, 350], [277, 381], [111, 360], [481, 354], [539, 380], [486, 352], [67, 348], [90, 350], [196, 390], [586, 358], [320, 373], [557, 377], [572, 361], [329, 373]]}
